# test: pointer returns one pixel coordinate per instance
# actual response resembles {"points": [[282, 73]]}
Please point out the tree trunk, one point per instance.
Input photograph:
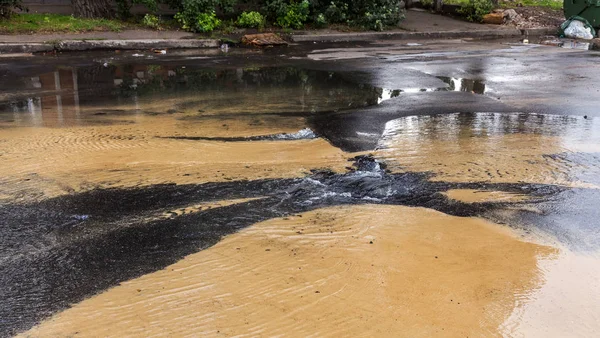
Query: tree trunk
{"points": [[437, 5], [94, 8]]}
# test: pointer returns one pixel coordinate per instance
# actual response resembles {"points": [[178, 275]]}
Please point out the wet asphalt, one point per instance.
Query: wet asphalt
{"points": [[57, 252]]}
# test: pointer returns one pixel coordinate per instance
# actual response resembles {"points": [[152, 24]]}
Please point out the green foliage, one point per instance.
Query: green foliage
{"points": [[202, 22], [370, 14], [151, 21], [227, 27], [48, 23], [476, 9], [124, 6], [7, 7], [199, 15], [554, 4], [295, 16], [320, 21], [337, 12], [251, 20]]}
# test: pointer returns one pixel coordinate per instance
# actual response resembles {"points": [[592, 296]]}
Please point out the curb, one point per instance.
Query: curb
{"points": [[539, 31], [494, 33], [88, 45], [12, 47]]}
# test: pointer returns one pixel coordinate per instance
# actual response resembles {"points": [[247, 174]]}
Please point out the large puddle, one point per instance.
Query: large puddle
{"points": [[170, 199]]}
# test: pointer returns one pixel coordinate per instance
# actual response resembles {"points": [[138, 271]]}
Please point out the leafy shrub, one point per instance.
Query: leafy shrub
{"points": [[7, 7], [370, 14], [380, 18], [151, 21], [320, 21], [199, 15], [251, 20], [295, 15], [476, 9], [202, 22], [275, 8], [337, 12]]}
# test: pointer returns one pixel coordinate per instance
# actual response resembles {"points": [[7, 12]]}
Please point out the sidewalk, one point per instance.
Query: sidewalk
{"points": [[421, 24], [417, 25]]}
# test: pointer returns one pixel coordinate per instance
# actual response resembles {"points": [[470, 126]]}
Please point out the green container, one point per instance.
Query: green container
{"points": [[587, 9]]}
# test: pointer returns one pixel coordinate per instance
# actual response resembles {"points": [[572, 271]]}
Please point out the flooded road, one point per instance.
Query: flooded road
{"points": [[381, 190]]}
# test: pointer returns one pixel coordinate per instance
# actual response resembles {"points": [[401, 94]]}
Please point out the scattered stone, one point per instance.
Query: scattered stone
{"points": [[512, 17], [262, 40]]}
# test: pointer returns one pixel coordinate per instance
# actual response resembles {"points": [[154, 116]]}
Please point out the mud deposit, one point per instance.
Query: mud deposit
{"points": [[343, 271], [167, 199]]}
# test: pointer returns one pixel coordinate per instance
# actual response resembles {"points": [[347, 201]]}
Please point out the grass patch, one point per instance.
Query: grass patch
{"points": [[505, 4], [55, 23], [543, 3], [456, 2]]}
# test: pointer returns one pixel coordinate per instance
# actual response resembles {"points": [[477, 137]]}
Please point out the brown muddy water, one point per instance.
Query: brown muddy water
{"points": [[171, 200]]}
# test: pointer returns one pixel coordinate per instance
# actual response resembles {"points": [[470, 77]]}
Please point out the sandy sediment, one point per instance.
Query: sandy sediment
{"points": [[358, 270]]}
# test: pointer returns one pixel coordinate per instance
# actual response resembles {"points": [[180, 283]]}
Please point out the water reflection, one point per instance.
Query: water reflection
{"points": [[73, 96], [496, 147], [69, 96], [464, 85]]}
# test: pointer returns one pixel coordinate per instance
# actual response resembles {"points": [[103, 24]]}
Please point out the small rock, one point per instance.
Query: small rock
{"points": [[510, 14]]}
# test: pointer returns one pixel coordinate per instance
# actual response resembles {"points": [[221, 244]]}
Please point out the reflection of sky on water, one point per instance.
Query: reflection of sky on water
{"points": [[453, 85], [575, 133]]}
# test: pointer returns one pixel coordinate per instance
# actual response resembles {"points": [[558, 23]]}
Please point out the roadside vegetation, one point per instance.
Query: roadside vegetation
{"points": [[553, 4], [474, 10], [49, 23], [225, 16], [208, 15]]}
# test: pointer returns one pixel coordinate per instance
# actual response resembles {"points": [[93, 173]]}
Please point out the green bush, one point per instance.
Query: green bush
{"points": [[476, 9], [370, 14], [320, 21], [7, 7], [197, 15], [207, 22], [295, 15], [337, 12], [202, 22], [151, 21], [251, 20]]}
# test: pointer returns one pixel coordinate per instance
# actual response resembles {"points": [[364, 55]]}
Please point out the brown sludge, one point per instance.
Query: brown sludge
{"points": [[55, 161], [479, 196], [508, 158], [425, 274]]}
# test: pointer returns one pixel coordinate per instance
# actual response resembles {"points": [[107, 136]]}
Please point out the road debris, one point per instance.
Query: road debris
{"points": [[262, 40]]}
